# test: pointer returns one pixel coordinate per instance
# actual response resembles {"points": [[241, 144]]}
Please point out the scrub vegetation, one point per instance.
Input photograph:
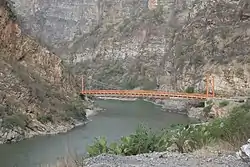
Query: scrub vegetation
{"points": [[233, 129]]}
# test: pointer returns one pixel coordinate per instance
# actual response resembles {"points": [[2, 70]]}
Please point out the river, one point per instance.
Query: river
{"points": [[121, 118]]}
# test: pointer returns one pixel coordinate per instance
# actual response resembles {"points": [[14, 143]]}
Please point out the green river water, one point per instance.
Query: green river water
{"points": [[121, 118]]}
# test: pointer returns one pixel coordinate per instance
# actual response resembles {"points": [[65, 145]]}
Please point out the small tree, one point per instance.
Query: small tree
{"points": [[189, 89]]}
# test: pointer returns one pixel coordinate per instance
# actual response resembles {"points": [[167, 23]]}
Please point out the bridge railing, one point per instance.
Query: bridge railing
{"points": [[144, 93]]}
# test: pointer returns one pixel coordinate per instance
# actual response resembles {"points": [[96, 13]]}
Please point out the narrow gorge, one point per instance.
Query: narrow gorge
{"points": [[48, 48], [128, 44], [38, 95]]}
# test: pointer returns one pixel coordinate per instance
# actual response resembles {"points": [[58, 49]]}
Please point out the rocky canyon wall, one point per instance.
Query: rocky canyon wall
{"points": [[38, 95], [129, 43]]}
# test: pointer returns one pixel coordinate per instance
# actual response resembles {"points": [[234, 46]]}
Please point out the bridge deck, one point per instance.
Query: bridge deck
{"points": [[144, 94]]}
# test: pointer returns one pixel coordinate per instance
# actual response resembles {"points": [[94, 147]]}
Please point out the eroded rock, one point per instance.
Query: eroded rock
{"points": [[244, 152]]}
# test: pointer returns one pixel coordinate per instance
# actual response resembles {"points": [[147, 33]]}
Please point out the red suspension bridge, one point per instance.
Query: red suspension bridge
{"points": [[158, 94]]}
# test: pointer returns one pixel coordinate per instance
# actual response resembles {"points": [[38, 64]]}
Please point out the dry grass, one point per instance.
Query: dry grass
{"points": [[215, 149]]}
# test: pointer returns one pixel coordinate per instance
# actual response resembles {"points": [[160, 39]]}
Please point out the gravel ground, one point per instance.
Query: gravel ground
{"points": [[166, 160]]}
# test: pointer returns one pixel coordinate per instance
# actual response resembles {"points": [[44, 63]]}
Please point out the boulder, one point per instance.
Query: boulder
{"points": [[244, 152]]}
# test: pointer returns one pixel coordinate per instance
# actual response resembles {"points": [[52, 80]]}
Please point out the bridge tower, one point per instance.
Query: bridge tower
{"points": [[209, 85], [83, 86]]}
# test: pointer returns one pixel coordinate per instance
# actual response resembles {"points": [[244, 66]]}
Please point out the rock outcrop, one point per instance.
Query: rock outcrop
{"points": [[38, 95], [244, 152], [126, 44]]}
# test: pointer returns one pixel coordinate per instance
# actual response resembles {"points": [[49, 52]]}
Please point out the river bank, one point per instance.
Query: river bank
{"points": [[191, 108], [17, 134], [120, 118], [168, 159], [201, 145], [224, 135], [181, 106], [214, 156]]}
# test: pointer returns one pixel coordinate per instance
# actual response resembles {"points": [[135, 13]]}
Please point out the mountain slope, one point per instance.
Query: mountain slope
{"points": [[125, 44], [37, 94]]}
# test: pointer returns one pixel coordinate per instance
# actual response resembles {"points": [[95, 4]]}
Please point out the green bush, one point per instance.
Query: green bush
{"points": [[2, 110], [210, 102], [189, 89], [131, 83], [76, 110], [16, 120], [223, 103], [207, 110], [45, 118], [234, 129], [64, 117], [142, 141], [100, 146], [9, 7], [148, 84]]}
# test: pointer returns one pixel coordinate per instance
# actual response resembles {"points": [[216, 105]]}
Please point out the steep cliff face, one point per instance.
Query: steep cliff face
{"points": [[37, 94], [126, 44]]}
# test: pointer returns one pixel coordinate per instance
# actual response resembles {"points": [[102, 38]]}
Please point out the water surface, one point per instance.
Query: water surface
{"points": [[121, 118]]}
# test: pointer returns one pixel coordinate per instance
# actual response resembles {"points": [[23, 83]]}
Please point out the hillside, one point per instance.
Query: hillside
{"points": [[37, 93], [127, 44]]}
